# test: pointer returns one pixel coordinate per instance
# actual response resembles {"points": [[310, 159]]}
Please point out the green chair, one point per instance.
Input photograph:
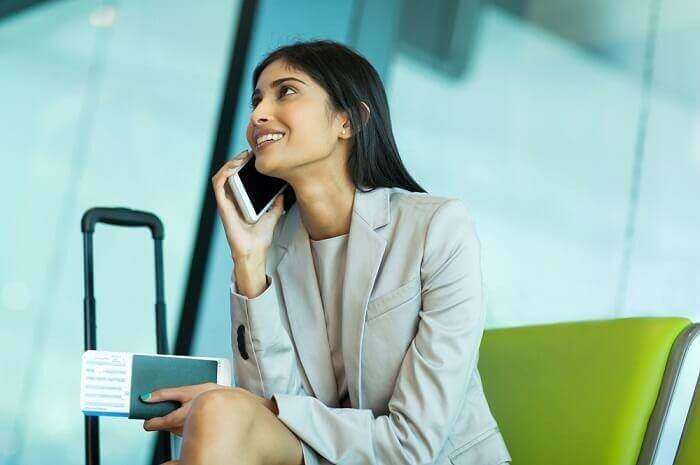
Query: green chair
{"points": [[588, 393]]}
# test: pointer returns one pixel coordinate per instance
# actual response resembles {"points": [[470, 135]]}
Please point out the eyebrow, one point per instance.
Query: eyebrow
{"points": [[277, 82]]}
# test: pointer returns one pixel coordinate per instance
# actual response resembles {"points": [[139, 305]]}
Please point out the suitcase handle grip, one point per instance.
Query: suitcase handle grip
{"points": [[120, 216]]}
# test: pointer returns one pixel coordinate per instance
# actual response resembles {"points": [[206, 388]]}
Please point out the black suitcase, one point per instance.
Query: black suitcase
{"points": [[129, 218]]}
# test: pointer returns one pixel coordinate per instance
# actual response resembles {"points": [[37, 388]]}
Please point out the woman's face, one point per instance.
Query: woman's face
{"points": [[290, 102]]}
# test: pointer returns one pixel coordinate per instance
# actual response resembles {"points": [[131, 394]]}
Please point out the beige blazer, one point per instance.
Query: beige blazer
{"points": [[412, 321]]}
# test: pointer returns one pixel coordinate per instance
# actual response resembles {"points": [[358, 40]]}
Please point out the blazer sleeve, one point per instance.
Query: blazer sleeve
{"points": [[264, 358], [432, 381]]}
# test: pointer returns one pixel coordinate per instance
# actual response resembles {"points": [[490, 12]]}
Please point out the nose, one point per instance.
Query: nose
{"points": [[258, 115], [256, 118]]}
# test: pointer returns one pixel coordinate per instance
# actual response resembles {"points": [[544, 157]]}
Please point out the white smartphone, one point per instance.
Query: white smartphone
{"points": [[253, 191]]}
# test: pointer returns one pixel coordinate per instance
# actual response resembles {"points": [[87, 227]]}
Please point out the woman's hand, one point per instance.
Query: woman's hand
{"points": [[245, 239], [175, 420]]}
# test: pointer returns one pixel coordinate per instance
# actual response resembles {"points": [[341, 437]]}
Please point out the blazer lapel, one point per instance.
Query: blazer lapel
{"points": [[364, 256], [365, 250]]}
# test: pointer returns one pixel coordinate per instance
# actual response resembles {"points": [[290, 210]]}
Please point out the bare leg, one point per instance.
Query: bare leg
{"points": [[230, 427]]}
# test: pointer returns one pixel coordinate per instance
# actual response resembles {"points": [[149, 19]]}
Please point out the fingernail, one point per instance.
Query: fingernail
{"points": [[145, 396]]}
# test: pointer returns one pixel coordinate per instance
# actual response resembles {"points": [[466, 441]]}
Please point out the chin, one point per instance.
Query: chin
{"points": [[263, 164]]}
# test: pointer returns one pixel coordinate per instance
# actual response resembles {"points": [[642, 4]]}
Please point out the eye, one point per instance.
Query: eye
{"points": [[255, 100], [286, 87]]}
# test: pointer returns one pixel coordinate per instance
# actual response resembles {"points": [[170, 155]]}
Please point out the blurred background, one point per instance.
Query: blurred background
{"points": [[571, 130]]}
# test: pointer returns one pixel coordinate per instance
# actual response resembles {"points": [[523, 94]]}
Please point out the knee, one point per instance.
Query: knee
{"points": [[220, 409]]}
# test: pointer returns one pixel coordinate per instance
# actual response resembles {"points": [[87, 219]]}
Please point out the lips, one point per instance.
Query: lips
{"points": [[267, 142]]}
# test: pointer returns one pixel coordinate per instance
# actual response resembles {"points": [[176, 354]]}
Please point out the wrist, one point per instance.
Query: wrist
{"points": [[251, 280], [250, 261]]}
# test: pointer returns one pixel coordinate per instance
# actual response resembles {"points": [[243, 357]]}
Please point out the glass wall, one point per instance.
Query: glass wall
{"points": [[572, 131], [103, 104]]}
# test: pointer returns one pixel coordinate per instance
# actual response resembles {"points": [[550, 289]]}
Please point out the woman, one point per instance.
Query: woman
{"points": [[357, 315]]}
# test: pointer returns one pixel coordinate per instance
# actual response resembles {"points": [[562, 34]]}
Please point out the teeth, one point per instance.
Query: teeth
{"points": [[275, 136]]}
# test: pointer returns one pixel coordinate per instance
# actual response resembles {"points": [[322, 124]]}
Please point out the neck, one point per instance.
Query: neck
{"points": [[326, 208]]}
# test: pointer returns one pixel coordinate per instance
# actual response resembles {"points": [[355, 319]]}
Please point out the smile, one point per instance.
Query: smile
{"points": [[267, 142]]}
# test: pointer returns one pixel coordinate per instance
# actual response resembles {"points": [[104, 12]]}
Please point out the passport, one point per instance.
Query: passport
{"points": [[111, 382]]}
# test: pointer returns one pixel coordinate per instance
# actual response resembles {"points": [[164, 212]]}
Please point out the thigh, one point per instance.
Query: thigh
{"points": [[277, 444]]}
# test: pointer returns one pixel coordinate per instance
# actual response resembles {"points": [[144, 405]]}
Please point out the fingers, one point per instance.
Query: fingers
{"points": [[179, 394], [237, 160], [219, 179], [233, 163], [175, 420], [242, 155], [170, 422]]}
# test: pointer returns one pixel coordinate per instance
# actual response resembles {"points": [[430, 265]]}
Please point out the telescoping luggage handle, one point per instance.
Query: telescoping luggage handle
{"points": [[129, 218]]}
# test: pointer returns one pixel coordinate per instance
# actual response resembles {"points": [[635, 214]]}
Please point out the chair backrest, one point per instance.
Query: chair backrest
{"points": [[576, 393]]}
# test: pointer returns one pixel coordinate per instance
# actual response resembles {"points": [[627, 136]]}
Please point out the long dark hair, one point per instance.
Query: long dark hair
{"points": [[349, 79]]}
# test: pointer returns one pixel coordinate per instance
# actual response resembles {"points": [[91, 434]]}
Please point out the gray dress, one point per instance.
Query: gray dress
{"points": [[329, 262]]}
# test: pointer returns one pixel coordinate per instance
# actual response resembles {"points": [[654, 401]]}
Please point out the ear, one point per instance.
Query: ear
{"points": [[365, 117]]}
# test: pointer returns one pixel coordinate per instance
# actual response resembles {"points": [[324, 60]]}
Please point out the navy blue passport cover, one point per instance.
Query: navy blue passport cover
{"points": [[149, 373]]}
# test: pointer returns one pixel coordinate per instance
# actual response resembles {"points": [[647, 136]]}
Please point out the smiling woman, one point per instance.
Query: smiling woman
{"points": [[357, 316]]}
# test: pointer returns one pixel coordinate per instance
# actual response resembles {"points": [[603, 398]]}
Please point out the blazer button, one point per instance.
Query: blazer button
{"points": [[241, 342]]}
